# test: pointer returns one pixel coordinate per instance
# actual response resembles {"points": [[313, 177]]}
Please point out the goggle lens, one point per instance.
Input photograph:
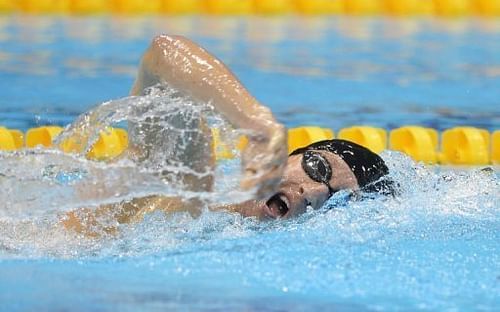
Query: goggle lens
{"points": [[317, 167]]}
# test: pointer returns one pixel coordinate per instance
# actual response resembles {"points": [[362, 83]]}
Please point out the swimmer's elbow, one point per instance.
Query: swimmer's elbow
{"points": [[167, 42]]}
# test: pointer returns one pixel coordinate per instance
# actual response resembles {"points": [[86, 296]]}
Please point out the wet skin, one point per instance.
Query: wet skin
{"points": [[297, 191], [182, 64], [282, 187]]}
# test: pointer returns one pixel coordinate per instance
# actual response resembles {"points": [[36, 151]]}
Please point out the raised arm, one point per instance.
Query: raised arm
{"points": [[185, 66]]}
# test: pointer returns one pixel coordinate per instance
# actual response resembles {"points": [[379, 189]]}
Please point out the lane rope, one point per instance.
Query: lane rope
{"points": [[447, 8], [454, 146]]}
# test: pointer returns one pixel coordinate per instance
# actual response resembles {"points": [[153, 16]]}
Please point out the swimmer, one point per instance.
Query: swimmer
{"points": [[286, 185]]}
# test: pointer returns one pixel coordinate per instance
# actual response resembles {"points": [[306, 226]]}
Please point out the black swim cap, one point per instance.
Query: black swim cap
{"points": [[368, 167]]}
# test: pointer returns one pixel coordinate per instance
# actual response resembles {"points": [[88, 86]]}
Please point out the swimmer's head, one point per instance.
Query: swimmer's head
{"points": [[316, 172]]}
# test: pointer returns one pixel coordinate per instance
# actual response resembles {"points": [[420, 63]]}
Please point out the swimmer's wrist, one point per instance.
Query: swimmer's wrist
{"points": [[266, 123], [277, 132], [269, 133]]}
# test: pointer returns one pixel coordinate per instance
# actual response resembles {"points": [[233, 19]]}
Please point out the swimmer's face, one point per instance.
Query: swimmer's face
{"points": [[300, 189]]}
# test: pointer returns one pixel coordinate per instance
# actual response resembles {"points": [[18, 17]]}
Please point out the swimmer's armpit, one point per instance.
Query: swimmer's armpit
{"points": [[185, 66]]}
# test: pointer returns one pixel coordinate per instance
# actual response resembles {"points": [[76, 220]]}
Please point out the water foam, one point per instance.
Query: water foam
{"points": [[40, 186], [169, 154]]}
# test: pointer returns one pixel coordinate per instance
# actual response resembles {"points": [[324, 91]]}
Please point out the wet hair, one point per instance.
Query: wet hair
{"points": [[369, 168]]}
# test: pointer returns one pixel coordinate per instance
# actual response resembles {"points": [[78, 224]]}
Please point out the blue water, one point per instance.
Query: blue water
{"points": [[435, 247], [437, 73]]}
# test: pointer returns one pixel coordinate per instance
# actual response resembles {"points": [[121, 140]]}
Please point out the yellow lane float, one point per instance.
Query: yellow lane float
{"points": [[319, 6], [465, 146], [495, 147], [459, 145], [447, 8], [273, 7], [10, 140], [43, 6], [221, 149], [303, 136], [90, 6], [452, 7], [363, 7], [409, 7], [7, 6], [486, 7], [372, 138], [136, 6], [181, 6], [418, 142], [111, 143], [228, 7], [42, 136]]}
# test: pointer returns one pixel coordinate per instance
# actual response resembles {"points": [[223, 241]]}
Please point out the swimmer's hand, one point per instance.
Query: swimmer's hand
{"points": [[264, 160]]}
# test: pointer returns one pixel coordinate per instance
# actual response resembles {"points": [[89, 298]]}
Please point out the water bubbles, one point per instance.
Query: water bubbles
{"points": [[169, 155], [439, 228], [52, 173]]}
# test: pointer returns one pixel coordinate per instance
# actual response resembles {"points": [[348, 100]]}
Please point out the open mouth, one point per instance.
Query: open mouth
{"points": [[277, 206]]}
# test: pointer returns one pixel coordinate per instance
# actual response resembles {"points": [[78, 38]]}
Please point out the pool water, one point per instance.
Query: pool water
{"points": [[433, 247]]}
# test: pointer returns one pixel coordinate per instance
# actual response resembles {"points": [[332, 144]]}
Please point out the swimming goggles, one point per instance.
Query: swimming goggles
{"points": [[317, 168]]}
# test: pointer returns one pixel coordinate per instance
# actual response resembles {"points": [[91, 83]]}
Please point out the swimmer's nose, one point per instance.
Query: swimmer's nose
{"points": [[300, 196]]}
